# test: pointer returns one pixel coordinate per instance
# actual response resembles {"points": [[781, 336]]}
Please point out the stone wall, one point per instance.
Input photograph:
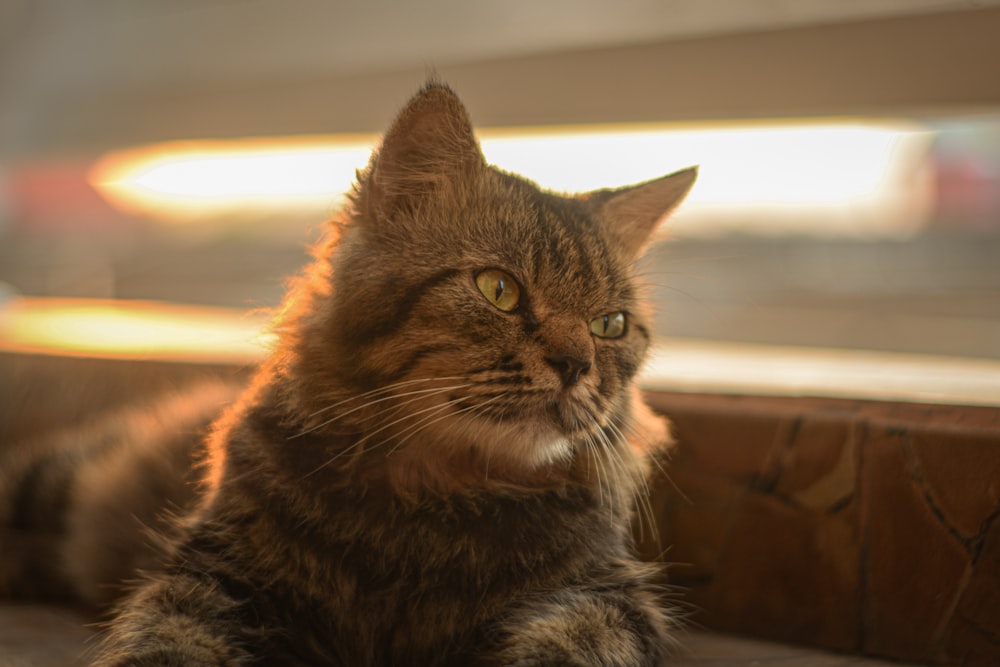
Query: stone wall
{"points": [[861, 526]]}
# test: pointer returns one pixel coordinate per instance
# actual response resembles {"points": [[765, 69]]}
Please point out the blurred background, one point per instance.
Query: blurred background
{"points": [[163, 161]]}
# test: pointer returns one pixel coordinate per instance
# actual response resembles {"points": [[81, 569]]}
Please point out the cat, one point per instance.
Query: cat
{"points": [[438, 462]]}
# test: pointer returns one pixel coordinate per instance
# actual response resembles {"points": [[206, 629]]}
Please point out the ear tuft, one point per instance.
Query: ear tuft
{"points": [[633, 213]]}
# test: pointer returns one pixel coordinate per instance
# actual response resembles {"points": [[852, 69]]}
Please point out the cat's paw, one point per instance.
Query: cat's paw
{"points": [[582, 630]]}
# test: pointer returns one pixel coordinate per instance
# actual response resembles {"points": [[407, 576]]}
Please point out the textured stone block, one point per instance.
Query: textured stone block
{"points": [[913, 563], [737, 446], [819, 468], [960, 472], [789, 572], [856, 525], [975, 635]]}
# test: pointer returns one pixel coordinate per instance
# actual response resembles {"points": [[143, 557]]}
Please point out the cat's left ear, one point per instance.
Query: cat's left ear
{"points": [[430, 143], [631, 214]]}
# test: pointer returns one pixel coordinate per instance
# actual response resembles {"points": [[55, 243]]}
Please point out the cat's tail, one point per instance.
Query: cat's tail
{"points": [[79, 507]]}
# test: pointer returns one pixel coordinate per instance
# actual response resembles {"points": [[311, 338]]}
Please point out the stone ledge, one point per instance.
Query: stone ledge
{"points": [[860, 526], [50, 636]]}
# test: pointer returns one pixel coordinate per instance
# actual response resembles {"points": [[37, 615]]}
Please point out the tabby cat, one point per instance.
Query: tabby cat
{"points": [[439, 461]]}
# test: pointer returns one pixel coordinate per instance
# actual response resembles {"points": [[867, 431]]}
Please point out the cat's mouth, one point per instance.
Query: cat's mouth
{"points": [[533, 426], [575, 414], [552, 432]]}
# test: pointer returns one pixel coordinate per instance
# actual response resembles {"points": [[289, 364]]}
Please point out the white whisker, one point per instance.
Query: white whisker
{"points": [[427, 422], [594, 460], [663, 471], [642, 496], [411, 415], [419, 393], [354, 446], [381, 390], [608, 447], [603, 484]]}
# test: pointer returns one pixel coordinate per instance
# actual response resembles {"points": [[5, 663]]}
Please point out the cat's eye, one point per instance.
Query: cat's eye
{"points": [[611, 325], [499, 289]]}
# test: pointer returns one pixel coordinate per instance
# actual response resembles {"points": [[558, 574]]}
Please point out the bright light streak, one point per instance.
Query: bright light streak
{"points": [[854, 178], [779, 164], [829, 179], [171, 332], [131, 330], [184, 181], [693, 365]]}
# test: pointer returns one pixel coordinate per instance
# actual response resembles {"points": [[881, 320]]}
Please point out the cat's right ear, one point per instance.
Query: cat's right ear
{"points": [[631, 214], [430, 142]]}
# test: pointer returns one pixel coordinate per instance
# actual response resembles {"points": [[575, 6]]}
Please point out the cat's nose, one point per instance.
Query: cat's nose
{"points": [[569, 368]]}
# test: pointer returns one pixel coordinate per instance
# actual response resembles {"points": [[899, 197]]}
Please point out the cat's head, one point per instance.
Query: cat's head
{"points": [[466, 313]]}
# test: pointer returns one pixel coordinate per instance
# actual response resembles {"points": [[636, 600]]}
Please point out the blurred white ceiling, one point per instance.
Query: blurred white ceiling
{"points": [[64, 57]]}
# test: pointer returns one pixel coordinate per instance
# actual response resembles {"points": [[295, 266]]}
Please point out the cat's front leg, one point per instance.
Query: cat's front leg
{"points": [[180, 620], [582, 628]]}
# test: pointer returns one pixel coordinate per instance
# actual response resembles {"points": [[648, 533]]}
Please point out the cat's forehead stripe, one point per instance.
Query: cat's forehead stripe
{"points": [[573, 253]]}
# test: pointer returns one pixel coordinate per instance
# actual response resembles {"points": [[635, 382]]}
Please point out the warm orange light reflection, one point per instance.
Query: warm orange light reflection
{"points": [[131, 330], [693, 365], [181, 181], [159, 331], [834, 178]]}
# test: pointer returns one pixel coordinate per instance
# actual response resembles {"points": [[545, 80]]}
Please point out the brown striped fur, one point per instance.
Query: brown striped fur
{"points": [[83, 508], [415, 476]]}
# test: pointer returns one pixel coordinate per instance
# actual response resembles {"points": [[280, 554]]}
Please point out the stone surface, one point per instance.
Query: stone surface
{"points": [[709, 649], [789, 568], [819, 467], [851, 524], [737, 446], [42, 636], [39, 636], [857, 525], [692, 534], [913, 564], [977, 621], [961, 475], [770, 541]]}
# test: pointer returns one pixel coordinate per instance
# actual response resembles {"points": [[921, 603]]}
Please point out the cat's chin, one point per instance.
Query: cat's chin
{"points": [[544, 438], [536, 444], [479, 452], [531, 442]]}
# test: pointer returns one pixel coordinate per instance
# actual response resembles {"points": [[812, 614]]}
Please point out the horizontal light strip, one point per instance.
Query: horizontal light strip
{"points": [[692, 365], [156, 331], [131, 330], [853, 178], [194, 180]]}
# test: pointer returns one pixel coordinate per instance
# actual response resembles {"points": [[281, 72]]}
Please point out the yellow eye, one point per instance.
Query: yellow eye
{"points": [[611, 325], [499, 289]]}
